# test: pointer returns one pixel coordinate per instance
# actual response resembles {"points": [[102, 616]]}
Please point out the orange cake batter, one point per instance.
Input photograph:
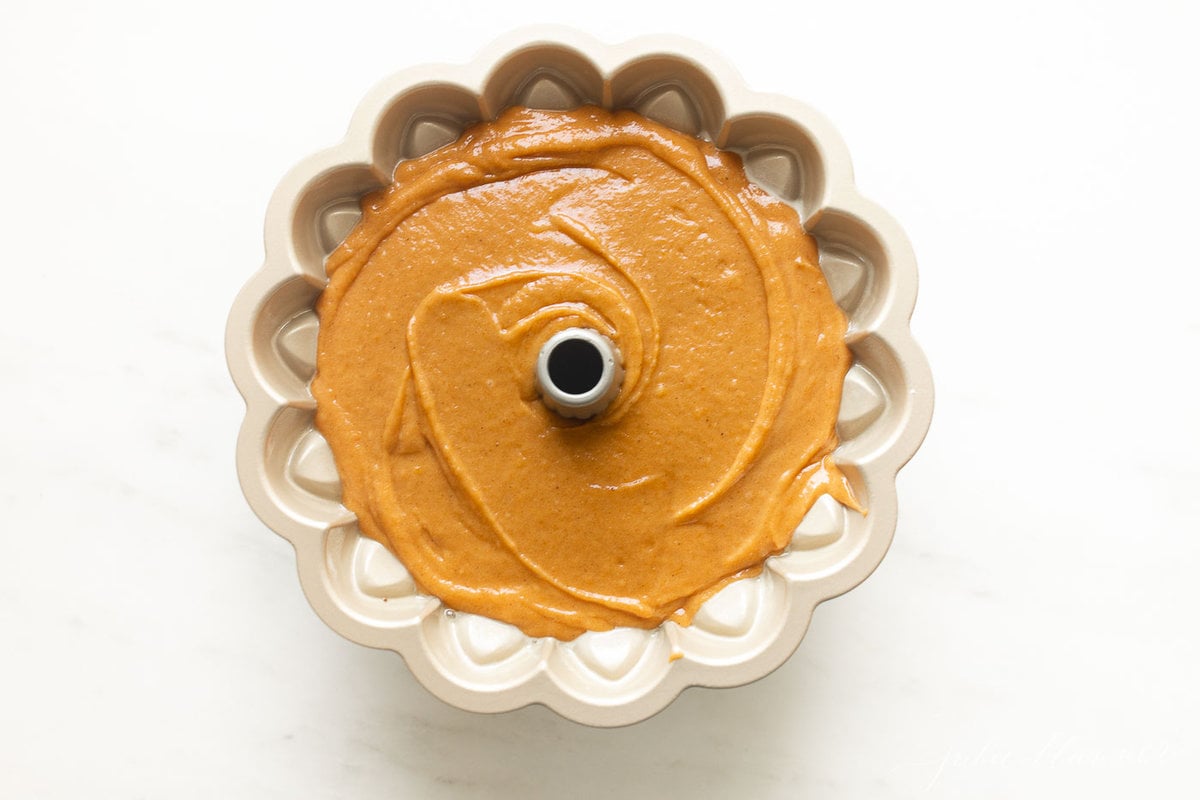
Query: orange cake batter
{"points": [[733, 351]]}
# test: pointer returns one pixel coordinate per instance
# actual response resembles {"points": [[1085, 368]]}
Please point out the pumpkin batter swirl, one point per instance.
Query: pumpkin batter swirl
{"points": [[718, 442]]}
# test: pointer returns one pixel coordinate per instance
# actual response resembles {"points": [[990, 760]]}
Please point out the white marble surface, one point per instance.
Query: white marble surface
{"points": [[1031, 630]]}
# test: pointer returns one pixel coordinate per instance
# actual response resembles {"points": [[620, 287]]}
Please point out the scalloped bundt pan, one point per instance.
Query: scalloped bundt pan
{"points": [[362, 591]]}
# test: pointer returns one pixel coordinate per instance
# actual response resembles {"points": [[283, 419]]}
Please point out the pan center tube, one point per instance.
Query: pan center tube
{"points": [[579, 372]]}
